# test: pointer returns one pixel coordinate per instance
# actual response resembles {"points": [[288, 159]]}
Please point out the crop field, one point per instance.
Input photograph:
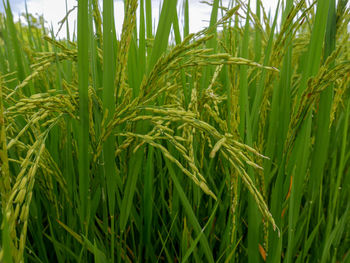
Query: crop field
{"points": [[156, 145]]}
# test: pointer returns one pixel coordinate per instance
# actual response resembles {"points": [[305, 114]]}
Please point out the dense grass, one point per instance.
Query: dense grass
{"points": [[229, 145]]}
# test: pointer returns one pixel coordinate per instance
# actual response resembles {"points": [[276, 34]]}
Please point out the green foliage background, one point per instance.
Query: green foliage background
{"points": [[228, 145]]}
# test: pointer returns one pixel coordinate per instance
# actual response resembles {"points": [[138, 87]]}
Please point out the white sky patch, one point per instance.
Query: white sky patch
{"points": [[55, 10]]}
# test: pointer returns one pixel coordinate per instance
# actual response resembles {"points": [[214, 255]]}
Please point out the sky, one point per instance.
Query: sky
{"points": [[55, 10]]}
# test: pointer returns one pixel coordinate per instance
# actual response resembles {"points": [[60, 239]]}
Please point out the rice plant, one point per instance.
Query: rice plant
{"points": [[160, 145]]}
